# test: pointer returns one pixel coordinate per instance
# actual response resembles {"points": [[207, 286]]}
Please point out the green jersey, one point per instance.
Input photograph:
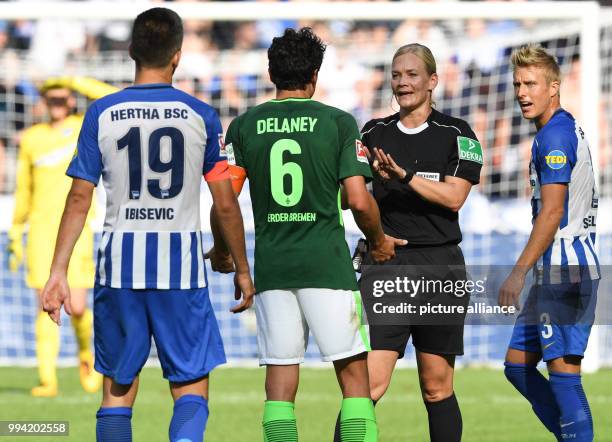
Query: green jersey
{"points": [[296, 152]]}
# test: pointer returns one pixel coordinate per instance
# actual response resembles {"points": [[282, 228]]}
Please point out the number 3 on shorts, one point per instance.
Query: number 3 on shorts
{"points": [[547, 332]]}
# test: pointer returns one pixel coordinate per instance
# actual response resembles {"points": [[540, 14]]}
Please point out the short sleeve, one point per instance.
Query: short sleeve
{"points": [[365, 133], [87, 161], [465, 160], [353, 157], [233, 145], [556, 156], [215, 162]]}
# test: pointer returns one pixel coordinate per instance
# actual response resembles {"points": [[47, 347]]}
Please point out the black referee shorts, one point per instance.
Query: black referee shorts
{"points": [[445, 339]]}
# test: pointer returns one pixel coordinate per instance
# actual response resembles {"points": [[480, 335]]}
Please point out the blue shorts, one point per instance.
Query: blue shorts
{"points": [[182, 322], [556, 320]]}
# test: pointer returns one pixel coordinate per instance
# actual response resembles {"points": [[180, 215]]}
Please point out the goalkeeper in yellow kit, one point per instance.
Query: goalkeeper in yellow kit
{"points": [[45, 150]]}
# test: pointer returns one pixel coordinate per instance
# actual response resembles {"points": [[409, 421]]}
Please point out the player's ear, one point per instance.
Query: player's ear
{"points": [[315, 77], [174, 61], [433, 81], [554, 87], [130, 52]]}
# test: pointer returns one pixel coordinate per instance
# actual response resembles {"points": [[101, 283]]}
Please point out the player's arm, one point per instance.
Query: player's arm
{"points": [[85, 169], [344, 202], [553, 192], [23, 200], [353, 172], [231, 228], [343, 198], [364, 209], [226, 212], [228, 224], [542, 234], [219, 255], [367, 216], [364, 146], [56, 291], [545, 226], [450, 193], [220, 258]]}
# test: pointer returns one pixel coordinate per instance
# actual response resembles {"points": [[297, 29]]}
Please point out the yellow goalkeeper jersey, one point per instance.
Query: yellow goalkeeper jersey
{"points": [[42, 187]]}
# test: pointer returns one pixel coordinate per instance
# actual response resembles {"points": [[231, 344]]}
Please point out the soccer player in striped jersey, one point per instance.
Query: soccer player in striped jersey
{"points": [[556, 319], [151, 144]]}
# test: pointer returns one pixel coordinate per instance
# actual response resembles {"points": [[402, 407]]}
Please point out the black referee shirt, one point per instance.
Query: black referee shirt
{"points": [[442, 146]]}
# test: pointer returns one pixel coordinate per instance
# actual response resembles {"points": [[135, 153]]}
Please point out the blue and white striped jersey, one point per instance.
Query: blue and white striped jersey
{"points": [[560, 154], [151, 144]]}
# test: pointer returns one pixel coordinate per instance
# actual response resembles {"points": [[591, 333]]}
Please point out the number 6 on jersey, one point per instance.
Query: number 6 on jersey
{"points": [[278, 170]]}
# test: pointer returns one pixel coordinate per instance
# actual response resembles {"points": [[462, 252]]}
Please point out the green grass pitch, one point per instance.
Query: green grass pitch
{"points": [[492, 410]]}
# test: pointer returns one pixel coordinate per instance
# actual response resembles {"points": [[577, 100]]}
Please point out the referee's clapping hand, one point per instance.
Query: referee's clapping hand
{"points": [[386, 167], [384, 250]]}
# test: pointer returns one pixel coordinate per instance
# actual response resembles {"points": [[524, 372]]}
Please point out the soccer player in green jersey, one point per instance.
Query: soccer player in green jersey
{"points": [[297, 153]]}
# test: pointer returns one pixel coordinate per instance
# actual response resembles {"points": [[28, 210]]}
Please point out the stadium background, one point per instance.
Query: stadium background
{"points": [[224, 63]]}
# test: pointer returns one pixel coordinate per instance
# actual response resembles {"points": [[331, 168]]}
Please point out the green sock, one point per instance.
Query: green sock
{"points": [[279, 422], [357, 420]]}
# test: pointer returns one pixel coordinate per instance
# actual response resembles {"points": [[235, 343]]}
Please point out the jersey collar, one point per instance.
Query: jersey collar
{"points": [[150, 86], [283, 100], [419, 129], [412, 130]]}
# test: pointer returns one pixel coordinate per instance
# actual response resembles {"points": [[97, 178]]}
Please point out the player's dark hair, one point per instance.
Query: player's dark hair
{"points": [[157, 34], [294, 58]]}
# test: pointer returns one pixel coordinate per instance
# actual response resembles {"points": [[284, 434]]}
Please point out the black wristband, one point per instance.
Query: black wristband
{"points": [[408, 177]]}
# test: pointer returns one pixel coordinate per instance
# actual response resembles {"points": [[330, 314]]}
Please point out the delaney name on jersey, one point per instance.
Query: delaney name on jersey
{"points": [[286, 125]]}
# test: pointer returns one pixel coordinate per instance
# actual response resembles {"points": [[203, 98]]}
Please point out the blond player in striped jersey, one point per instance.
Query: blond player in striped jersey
{"points": [[556, 318]]}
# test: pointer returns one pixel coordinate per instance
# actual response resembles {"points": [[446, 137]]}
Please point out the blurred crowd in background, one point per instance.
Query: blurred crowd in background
{"points": [[224, 63]]}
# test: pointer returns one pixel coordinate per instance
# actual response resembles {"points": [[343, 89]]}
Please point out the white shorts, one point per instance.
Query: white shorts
{"points": [[284, 318]]}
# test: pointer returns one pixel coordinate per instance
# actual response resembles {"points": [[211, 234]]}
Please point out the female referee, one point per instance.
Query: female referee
{"points": [[425, 163]]}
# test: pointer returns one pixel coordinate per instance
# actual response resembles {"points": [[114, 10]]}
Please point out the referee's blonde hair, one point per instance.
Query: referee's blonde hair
{"points": [[422, 52], [536, 55], [425, 55]]}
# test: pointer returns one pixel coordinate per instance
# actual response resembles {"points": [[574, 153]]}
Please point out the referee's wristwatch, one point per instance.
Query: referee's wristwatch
{"points": [[407, 177]]}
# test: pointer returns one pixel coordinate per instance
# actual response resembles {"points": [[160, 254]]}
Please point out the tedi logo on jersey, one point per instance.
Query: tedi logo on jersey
{"points": [[556, 159]]}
